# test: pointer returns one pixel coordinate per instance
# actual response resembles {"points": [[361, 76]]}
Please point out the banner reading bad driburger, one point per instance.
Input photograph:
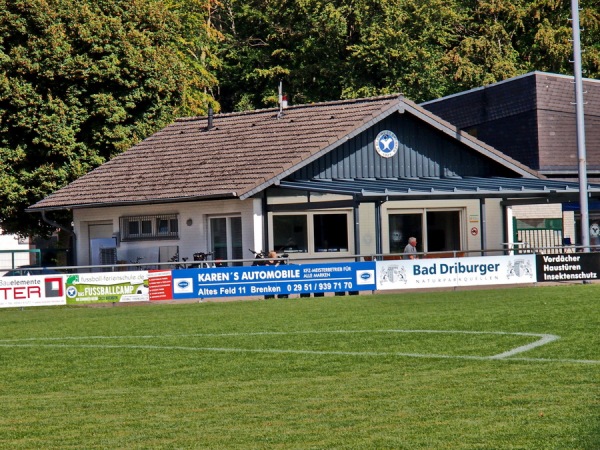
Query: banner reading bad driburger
{"points": [[448, 272]]}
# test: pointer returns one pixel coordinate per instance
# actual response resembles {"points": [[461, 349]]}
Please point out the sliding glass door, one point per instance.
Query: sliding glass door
{"points": [[435, 230]]}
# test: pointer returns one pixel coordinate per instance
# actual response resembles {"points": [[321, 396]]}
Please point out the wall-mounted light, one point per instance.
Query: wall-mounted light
{"points": [[189, 222]]}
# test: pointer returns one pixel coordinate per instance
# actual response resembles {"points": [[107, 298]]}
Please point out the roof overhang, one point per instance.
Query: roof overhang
{"points": [[134, 202], [442, 188]]}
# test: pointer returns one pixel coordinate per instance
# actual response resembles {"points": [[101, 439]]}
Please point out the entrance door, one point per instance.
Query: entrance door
{"points": [[226, 238]]}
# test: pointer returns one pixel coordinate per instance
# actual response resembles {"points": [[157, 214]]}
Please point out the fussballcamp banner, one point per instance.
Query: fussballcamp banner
{"points": [[449, 272], [38, 290], [107, 287]]}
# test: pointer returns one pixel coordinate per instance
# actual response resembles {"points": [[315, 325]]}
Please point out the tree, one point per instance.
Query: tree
{"points": [[198, 49], [425, 49], [402, 47], [505, 38], [79, 82], [548, 46], [300, 42]]}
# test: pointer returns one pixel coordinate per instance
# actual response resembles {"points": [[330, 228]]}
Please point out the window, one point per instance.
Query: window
{"points": [[331, 232], [167, 225], [290, 233], [403, 226], [149, 227], [311, 232]]}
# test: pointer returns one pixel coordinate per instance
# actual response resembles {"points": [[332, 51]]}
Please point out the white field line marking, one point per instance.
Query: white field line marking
{"points": [[508, 355], [546, 339]]}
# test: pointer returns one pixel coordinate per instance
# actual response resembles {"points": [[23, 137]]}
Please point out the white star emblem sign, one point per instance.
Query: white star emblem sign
{"points": [[386, 144]]}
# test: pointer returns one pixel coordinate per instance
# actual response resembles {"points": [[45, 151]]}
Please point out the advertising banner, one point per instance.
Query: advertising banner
{"points": [[107, 287], [160, 285], [38, 290], [568, 267], [273, 280], [448, 272]]}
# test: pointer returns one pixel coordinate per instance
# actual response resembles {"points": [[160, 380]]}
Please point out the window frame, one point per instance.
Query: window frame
{"points": [[310, 232], [424, 238], [148, 227]]}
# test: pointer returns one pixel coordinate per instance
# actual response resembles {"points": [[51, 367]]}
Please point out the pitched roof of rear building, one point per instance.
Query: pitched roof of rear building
{"points": [[242, 154]]}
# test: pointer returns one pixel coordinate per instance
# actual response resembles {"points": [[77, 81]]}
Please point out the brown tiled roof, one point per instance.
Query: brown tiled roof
{"points": [[243, 154], [243, 151]]}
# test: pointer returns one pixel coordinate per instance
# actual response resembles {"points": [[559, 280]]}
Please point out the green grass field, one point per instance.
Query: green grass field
{"points": [[503, 369]]}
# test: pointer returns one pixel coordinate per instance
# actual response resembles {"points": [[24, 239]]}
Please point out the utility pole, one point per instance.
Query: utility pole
{"points": [[581, 152]]}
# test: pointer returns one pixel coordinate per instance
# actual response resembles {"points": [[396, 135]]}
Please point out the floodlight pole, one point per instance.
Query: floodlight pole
{"points": [[581, 153]]}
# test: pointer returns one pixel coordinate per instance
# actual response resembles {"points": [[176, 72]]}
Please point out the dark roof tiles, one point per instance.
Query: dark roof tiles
{"points": [[531, 117]]}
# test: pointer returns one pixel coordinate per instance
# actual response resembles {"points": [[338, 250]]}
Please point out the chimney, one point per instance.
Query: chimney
{"points": [[210, 125], [282, 101]]}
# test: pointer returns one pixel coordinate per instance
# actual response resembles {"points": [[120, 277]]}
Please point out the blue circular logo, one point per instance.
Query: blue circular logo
{"points": [[71, 292], [386, 144]]}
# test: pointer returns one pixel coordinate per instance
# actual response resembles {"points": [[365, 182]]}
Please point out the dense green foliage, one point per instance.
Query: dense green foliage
{"points": [[426, 49], [78, 84], [366, 372], [82, 81]]}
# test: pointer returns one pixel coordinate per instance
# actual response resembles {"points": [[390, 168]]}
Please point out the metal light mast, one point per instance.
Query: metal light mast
{"points": [[581, 153]]}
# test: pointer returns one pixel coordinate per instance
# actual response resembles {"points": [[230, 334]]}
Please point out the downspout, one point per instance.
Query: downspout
{"points": [[66, 230], [483, 234], [356, 228], [378, 241], [265, 217], [506, 226]]}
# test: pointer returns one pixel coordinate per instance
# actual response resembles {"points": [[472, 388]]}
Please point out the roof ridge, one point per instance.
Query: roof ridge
{"points": [[292, 107], [535, 73]]}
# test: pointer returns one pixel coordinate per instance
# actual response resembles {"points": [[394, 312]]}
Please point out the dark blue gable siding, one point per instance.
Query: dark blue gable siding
{"points": [[423, 152]]}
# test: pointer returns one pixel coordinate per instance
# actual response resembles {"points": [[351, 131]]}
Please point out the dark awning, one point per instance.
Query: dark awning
{"points": [[439, 188]]}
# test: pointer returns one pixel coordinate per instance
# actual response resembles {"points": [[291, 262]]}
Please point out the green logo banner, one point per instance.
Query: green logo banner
{"points": [[107, 287]]}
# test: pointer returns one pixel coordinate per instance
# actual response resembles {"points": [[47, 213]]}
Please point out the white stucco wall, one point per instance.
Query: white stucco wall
{"points": [[192, 238], [368, 241], [494, 224]]}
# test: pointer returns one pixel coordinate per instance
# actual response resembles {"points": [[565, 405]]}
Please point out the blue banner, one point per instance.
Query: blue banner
{"points": [[273, 280]]}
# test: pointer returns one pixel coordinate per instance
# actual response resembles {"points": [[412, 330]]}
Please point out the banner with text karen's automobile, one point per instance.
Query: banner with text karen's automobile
{"points": [[273, 280], [107, 287], [448, 272], [35, 290]]}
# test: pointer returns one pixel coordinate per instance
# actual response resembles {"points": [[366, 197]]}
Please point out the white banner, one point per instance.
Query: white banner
{"points": [[38, 290], [449, 272]]}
